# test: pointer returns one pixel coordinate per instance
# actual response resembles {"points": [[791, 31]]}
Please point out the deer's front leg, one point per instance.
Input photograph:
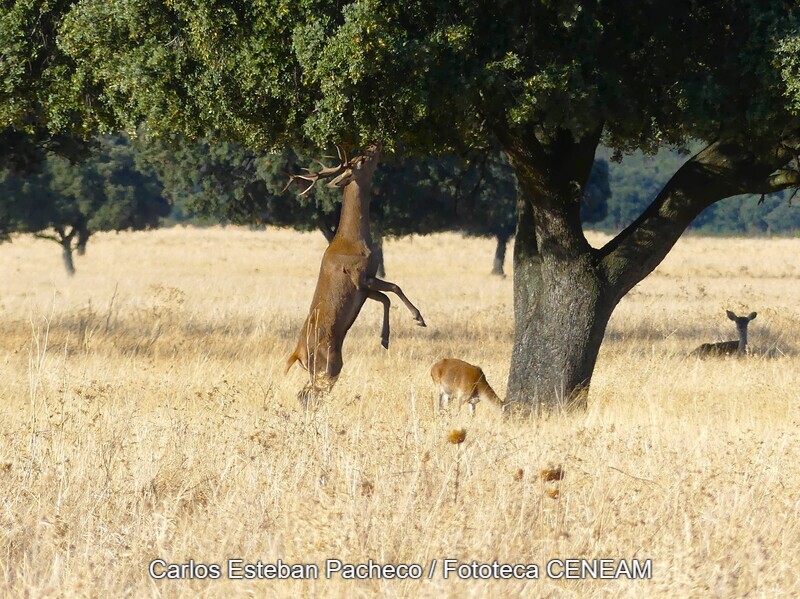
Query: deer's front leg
{"points": [[375, 284], [380, 297]]}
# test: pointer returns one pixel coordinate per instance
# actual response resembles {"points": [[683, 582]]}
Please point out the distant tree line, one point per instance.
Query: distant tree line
{"points": [[66, 192]]}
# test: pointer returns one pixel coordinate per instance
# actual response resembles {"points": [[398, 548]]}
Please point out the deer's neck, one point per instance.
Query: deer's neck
{"points": [[354, 221], [742, 338]]}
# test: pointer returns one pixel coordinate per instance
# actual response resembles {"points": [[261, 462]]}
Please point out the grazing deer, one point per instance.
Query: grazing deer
{"points": [[728, 348], [347, 276], [464, 382]]}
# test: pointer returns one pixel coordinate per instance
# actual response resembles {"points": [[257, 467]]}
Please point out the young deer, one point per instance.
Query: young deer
{"points": [[728, 348], [464, 382], [346, 277]]}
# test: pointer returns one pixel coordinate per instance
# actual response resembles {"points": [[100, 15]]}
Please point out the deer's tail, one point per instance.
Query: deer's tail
{"points": [[292, 359]]}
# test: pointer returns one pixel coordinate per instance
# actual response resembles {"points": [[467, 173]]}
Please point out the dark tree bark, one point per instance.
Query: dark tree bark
{"points": [[83, 239], [564, 290], [719, 171], [498, 266], [65, 240], [561, 304], [377, 250], [66, 254]]}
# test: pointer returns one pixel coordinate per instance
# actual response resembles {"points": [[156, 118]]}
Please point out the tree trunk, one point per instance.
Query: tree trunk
{"points": [[564, 290], [561, 309], [377, 249], [561, 301], [83, 239], [66, 254], [558, 331], [500, 255]]}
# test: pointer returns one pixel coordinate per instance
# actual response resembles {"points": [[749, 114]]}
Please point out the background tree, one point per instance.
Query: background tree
{"points": [[31, 68], [224, 180], [546, 81], [476, 196], [68, 202]]}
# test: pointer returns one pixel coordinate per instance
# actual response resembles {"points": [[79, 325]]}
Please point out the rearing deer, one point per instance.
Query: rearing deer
{"points": [[346, 277], [728, 348]]}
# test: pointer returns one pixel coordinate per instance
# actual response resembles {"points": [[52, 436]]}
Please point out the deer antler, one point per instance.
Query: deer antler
{"points": [[327, 172]]}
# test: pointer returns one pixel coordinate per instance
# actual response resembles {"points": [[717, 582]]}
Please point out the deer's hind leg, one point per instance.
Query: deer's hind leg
{"points": [[383, 299], [444, 400], [375, 284]]}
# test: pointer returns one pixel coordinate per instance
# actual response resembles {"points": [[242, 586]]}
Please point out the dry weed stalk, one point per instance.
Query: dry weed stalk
{"points": [[457, 437]]}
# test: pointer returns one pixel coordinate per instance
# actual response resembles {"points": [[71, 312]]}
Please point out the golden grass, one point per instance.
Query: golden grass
{"points": [[145, 415]]}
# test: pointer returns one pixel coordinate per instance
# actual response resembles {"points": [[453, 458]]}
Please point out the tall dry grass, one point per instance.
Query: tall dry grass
{"points": [[145, 415]]}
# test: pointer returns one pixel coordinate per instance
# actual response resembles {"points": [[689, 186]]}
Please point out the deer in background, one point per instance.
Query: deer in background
{"points": [[347, 276], [728, 348], [464, 382]]}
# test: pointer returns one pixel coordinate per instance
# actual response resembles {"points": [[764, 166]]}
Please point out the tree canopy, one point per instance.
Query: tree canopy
{"points": [[33, 119], [431, 75]]}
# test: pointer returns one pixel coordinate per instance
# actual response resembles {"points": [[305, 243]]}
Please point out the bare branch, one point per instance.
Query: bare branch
{"points": [[47, 236], [782, 179]]}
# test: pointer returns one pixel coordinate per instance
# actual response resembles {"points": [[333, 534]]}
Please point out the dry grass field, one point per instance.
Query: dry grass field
{"points": [[144, 415]]}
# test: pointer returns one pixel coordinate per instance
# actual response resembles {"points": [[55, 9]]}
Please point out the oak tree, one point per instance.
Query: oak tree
{"points": [[67, 202]]}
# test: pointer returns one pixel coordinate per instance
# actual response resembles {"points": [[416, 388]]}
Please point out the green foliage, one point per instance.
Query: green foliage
{"points": [[749, 215], [635, 181], [224, 181], [187, 67], [411, 196], [108, 192], [33, 118], [434, 76], [31, 63], [476, 196]]}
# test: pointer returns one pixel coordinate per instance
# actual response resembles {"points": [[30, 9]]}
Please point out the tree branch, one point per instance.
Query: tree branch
{"points": [[46, 236], [780, 180], [719, 171], [481, 160]]}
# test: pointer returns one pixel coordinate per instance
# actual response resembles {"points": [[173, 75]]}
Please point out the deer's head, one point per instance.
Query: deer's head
{"points": [[358, 168]]}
